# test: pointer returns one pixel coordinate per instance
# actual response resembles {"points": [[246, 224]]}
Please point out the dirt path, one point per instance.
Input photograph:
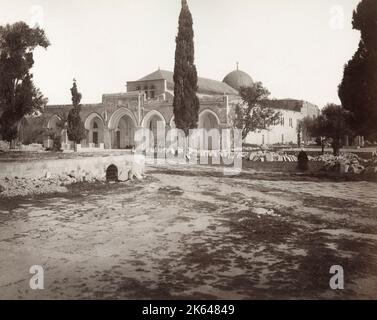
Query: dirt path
{"points": [[194, 234]]}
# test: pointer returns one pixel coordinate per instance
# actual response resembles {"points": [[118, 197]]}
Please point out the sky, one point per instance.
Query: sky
{"points": [[296, 48]]}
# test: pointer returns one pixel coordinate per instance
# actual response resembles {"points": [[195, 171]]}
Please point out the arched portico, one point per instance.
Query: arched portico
{"points": [[210, 122], [56, 126], [95, 129], [53, 122], [150, 121], [122, 126]]}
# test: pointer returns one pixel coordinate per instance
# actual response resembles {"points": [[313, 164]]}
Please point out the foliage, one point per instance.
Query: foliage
{"points": [[18, 94], [358, 89], [186, 102], [333, 124], [254, 114], [33, 131], [75, 127], [303, 129]]}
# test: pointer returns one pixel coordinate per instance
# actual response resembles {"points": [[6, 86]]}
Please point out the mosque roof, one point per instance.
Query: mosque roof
{"points": [[205, 86], [237, 79]]}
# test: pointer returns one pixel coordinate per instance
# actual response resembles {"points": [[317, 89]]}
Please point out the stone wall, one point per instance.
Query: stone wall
{"points": [[90, 167]]}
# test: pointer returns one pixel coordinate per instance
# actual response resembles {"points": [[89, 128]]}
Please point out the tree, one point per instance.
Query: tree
{"points": [[254, 114], [186, 102], [303, 130], [75, 126], [55, 134], [332, 124], [33, 130], [18, 94], [358, 89]]}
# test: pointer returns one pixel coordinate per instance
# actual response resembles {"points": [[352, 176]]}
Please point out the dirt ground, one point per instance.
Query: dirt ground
{"points": [[193, 233]]}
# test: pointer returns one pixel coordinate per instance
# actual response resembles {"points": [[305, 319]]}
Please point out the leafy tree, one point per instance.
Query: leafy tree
{"points": [[75, 126], [358, 89], [33, 130], [254, 114], [332, 124], [302, 129], [186, 103], [18, 94]]}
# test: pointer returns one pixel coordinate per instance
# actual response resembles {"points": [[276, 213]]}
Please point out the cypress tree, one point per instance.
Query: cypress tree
{"points": [[76, 129], [186, 103], [358, 90]]}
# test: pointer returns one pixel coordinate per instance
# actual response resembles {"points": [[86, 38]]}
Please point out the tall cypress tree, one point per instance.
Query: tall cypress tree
{"points": [[76, 129], [186, 103], [358, 90]]}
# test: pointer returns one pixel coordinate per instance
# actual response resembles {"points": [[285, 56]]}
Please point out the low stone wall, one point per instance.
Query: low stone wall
{"points": [[24, 178], [93, 166]]}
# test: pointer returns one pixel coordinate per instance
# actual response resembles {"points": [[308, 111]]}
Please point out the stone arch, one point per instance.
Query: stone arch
{"points": [[119, 114], [52, 125], [94, 125], [209, 122], [150, 115], [90, 118], [208, 119], [53, 121], [150, 122], [112, 173], [122, 125]]}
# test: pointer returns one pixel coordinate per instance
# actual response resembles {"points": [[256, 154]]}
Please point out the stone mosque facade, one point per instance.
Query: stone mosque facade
{"points": [[111, 124]]}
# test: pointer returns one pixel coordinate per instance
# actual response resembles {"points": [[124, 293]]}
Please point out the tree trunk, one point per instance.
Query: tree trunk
{"points": [[323, 146], [336, 147], [12, 144], [298, 140]]}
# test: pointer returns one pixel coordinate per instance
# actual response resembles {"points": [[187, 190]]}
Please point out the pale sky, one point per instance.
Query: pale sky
{"points": [[296, 48]]}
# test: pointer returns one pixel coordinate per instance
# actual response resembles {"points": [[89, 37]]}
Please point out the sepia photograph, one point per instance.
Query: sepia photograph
{"points": [[203, 150]]}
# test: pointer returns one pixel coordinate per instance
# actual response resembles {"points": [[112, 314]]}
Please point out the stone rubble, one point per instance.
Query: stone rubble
{"points": [[4, 146], [270, 156], [50, 183], [347, 163]]}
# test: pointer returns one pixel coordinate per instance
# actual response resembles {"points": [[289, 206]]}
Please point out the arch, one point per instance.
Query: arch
{"points": [[94, 126], [150, 122], [206, 112], [150, 115], [172, 123], [88, 120], [119, 114], [112, 173], [52, 122], [209, 122]]}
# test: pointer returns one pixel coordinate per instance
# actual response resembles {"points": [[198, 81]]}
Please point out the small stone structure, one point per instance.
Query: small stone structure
{"points": [[81, 169]]}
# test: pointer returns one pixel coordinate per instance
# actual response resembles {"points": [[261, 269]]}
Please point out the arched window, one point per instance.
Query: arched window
{"points": [[95, 125]]}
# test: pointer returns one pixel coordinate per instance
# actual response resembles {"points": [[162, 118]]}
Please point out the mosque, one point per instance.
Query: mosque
{"points": [[111, 124]]}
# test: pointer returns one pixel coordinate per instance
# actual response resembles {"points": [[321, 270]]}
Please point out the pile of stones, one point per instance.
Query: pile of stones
{"points": [[15, 187], [49, 183], [4, 146], [371, 166], [344, 163], [270, 156]]}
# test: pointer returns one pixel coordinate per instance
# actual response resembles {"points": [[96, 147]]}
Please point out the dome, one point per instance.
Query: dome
{"points": [[237, 79]]}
